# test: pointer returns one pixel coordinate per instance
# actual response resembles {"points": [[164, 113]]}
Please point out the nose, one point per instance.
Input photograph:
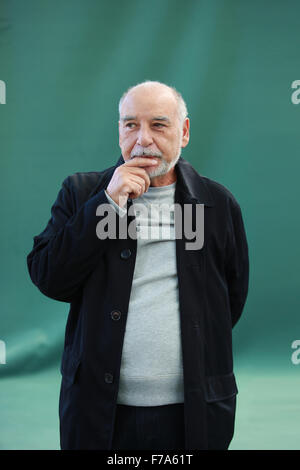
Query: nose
{"points": [[144, 136]]}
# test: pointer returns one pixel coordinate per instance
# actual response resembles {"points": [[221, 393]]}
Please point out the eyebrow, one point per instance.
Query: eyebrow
{"points": [[161, 118], [128, 118], [156, 118]]}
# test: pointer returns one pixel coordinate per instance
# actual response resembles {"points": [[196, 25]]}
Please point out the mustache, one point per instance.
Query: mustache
{"points": [[145, 153]]}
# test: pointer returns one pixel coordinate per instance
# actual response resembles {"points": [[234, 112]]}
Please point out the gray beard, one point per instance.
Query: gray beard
{"points": [[163, 167]]}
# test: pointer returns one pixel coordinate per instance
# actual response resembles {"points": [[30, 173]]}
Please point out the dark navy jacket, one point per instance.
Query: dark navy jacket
{"points": [[70, 263]]}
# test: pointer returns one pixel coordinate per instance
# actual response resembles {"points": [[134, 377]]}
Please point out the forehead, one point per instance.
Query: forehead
{"points": [[148, 101]]}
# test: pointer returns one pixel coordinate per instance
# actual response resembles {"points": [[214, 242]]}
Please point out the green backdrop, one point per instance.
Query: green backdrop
{"points": [[65, 64]]}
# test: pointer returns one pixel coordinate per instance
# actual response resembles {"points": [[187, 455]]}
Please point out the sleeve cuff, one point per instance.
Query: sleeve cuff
{"points": [[120, 210]]}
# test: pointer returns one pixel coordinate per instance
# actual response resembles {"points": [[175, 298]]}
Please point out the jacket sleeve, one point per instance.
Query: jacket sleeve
{"points": [[237, 264], [68, 249]]}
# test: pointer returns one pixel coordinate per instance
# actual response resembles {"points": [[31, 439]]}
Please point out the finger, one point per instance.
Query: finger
{"points": [[141, 162], [136, 190], [141, 181], [140, 172]]}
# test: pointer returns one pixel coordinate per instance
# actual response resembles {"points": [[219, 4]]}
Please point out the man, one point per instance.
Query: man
{"points": [[147, 361]]}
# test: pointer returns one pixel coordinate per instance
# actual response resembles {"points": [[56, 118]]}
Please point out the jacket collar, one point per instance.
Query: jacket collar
{"points": [[189, 183]]}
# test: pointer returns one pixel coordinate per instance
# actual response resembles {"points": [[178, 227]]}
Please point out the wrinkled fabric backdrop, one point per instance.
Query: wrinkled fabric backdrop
{"points": [[65, 65]]}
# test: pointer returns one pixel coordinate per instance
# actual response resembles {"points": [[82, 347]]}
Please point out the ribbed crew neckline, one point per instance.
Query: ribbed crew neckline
{"points": [[159, 189]]}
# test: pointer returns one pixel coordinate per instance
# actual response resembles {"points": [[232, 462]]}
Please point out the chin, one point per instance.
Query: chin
{"points": [[157, 172]]}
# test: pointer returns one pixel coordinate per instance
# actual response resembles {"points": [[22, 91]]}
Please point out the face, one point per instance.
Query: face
{"points": [[149, 126]]}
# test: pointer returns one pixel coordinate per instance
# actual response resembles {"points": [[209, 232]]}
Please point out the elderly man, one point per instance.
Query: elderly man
{"points": [[147, 361]]}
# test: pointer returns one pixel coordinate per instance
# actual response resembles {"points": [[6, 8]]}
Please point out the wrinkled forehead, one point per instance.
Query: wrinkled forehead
{"points": [[148, 101]]}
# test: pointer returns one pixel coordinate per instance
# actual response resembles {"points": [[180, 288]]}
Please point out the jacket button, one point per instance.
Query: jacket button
{"points": [[108, 378], [125, 254], [115, 315]]}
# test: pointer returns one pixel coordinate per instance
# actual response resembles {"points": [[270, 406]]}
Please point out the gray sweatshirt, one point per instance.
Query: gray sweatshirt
{"points": [[151, 367]]}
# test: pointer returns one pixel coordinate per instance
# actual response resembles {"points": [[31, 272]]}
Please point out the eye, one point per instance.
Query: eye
{"points": [[129, 124], [159, 124]]}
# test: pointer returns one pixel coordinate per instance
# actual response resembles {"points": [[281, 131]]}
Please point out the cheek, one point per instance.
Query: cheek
{"points": [[127, 142], [164, 142], [170, 146]]}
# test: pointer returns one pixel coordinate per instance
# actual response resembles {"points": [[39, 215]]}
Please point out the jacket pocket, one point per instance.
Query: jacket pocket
{"points": [[69, 367], [220, 387]]}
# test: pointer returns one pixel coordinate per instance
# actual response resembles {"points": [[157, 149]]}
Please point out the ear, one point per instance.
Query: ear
{"points": [[185, 132]]}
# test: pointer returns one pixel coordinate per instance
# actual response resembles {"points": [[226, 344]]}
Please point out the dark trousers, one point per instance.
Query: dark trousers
{"points": [[149, 427]]}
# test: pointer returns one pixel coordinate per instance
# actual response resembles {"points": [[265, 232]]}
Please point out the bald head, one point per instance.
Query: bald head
{"points": [[159, 90]]}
